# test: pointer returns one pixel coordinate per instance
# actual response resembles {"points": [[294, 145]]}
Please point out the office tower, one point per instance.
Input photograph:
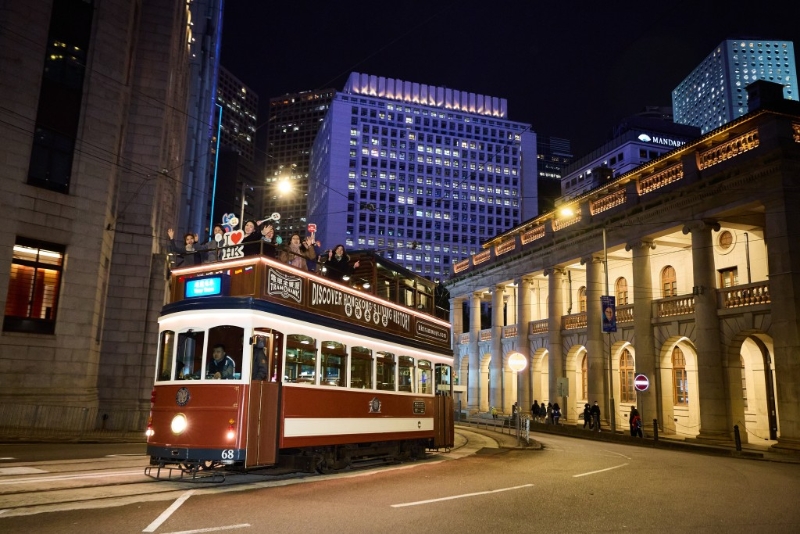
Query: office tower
{"points": [[196, 172], [235, 165], [554, 154], [635, 140], [293, 123], [714, 93], [421, 174]]}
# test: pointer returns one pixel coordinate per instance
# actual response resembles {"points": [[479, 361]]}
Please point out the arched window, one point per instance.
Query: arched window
{"points": [[621, 289], [669, 284], [585, 376], [582, 299], [744, 384], [680, 384], [627, 393]]}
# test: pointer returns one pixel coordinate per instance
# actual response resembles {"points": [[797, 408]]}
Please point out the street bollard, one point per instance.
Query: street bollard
{"points": [[737, 438], [655, 429]]}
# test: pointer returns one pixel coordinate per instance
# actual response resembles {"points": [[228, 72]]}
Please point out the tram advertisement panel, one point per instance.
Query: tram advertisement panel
{"points": [[335, 301]]}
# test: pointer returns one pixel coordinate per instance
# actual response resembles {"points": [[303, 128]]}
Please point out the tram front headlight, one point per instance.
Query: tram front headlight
{"points": [[178, 424]]}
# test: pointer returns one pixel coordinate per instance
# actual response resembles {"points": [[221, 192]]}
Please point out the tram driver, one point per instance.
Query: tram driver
{"points": [[221, 365]]}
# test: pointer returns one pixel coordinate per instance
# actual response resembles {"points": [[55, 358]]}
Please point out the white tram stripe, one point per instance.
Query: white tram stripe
{"points": [[599, 471], [211, 529], [429, 501], [336, 426], [168, 512]]}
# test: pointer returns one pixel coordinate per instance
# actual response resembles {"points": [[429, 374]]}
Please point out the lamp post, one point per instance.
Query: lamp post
{"points": [[517, 362], [283, 187], [611, 414]]}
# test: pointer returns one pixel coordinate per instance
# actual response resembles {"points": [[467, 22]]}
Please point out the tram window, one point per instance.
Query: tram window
{"points": [[406, 373], [189, 359], [425, 369], [333, 364], [443, 374], [165, 353], [301, 359], [386, 367], [232, 339], [271, 346], [361, 368]]}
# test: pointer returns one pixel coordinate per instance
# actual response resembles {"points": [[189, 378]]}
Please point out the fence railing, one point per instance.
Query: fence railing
{"points": [[745, 295]]}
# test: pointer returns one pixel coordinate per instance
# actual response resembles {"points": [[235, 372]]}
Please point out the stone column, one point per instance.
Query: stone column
{"points": [[597, 351], [496, 384], [556, 280], [474, 375], [780, 232], [457, 322], [523, 345], [645, 357], [714, 420]]}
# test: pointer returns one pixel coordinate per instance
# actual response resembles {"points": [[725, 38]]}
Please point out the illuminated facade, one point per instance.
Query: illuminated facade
{"points": [[702, 259], [714, 93], [422, 174]]}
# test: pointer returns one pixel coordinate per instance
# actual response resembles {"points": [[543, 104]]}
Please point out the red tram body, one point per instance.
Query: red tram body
{"points": [[345, 375]]}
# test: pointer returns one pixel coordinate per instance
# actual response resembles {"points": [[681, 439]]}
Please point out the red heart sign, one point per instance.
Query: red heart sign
{"points": [[236, 236]]}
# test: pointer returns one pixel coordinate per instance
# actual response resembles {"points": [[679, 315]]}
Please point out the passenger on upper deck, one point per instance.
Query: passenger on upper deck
{"points": [[337, 264], [213, 246], [221, 365], [298, 252], [189, 254]]}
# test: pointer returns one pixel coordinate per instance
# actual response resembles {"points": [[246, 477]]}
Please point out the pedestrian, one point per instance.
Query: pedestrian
{"points": [[549, 414], [595, 411], [535, 411], [635, 421], [587, 416], [556, 413], [494, 412]]}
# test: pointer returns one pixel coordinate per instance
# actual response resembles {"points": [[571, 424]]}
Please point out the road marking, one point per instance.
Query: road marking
{"points": [[211, 529], [460, 496], [21, 471], [617, 453], [8, 458], [168, 512], [68, 477], [600, 471]]}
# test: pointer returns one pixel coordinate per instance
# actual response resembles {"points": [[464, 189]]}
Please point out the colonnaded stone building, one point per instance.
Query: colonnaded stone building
{"points": [[703, 248], [91, 141]]}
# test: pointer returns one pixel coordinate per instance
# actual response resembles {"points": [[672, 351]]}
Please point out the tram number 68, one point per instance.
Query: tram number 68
{"points": [[227, 454]]}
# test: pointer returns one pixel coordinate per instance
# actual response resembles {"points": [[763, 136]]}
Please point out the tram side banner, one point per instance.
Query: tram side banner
{"points": [[338, 303]]}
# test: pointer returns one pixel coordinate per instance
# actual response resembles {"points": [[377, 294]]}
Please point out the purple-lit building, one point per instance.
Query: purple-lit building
{"points": [[422, 174]]}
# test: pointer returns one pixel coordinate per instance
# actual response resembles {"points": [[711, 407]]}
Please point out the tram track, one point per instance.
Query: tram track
{"points": [[109, 482]]}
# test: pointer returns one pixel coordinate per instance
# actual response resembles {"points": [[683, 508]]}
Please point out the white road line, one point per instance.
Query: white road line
{"points": [[69, 477], [168, 512], [211, 529], [617, 453], [460, 496], [8, 458], [600, 471]]}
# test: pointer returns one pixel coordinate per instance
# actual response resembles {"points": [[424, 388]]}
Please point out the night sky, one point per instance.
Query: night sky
{"points": [[570, 71]]}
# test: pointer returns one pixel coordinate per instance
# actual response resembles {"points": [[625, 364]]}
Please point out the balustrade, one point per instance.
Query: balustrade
{"points": [[574, 321], [746, 295], [672, 306]]}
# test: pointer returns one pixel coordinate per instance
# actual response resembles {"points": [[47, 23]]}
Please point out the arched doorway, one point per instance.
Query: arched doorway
{"points": [[751, 374], [679, 388]]}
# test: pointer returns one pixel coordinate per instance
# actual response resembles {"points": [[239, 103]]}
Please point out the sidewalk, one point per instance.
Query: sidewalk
{"points": [[753, 451]]}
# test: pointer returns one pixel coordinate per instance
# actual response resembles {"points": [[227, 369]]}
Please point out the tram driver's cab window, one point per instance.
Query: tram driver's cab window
{"points": [[166, 349], [301, 359], [443, 374], [405, 374], [224, 353], [189, 354], [361, 368]]}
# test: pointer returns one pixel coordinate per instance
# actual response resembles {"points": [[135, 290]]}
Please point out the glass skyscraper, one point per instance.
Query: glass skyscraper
{"points": [[714, 93], [421, 174]]}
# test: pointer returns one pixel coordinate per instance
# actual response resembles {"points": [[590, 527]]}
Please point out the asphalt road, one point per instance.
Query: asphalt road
{"points": [[570, 486]]}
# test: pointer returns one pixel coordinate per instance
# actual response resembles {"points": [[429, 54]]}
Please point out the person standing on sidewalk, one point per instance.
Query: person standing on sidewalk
{"points": [[535, 411], [556, 413], [595, 411], [635, 421], [548, 414], [587, 416]]}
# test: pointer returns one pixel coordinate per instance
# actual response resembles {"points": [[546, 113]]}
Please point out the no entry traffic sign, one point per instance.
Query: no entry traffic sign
{"points": [[641, 382]]}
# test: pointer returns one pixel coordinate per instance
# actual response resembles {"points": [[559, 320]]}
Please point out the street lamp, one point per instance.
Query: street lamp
{"points": [[612, 415], [517, 362]]}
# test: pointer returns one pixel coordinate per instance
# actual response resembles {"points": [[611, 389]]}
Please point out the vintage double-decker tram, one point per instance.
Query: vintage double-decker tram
{"points": [[325, 375]]}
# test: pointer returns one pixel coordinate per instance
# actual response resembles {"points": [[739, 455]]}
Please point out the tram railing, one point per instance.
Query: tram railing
{"points": [[71, 423]]}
